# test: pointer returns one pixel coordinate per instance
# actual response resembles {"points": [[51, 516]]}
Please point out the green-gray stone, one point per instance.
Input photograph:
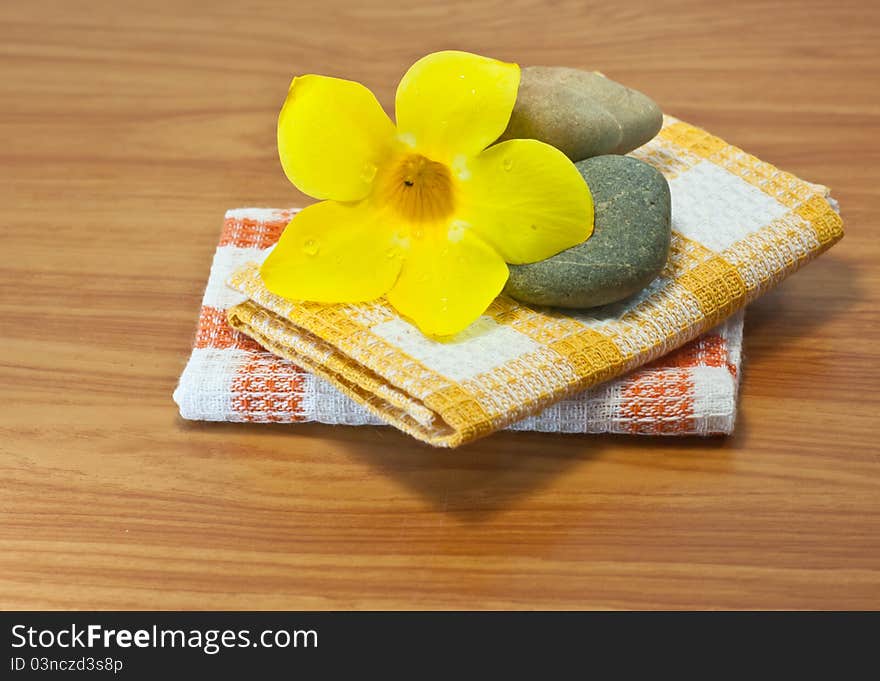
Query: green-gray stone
{"points": [[627, 250], [582, 113]]}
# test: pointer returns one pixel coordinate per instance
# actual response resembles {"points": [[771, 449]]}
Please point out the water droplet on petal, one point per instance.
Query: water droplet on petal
{"points": [[392, 253], [311, 247], [368, 172], [507, 164]]}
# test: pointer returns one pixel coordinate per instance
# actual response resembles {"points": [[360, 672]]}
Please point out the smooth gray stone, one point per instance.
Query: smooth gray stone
{"points": [[582, 113], [627, 250]]}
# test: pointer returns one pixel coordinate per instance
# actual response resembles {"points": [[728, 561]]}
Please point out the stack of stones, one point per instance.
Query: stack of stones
{"points": [[594, 121]]}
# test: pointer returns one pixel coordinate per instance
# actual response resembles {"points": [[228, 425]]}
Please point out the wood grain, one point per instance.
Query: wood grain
{"points": [[128, 128]]}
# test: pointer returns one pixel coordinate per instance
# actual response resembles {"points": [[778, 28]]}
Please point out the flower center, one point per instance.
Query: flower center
{"points": [[418, 188]]}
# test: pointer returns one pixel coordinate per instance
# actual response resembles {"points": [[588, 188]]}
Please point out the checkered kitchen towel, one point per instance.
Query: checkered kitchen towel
{"points": [[230, 377], [739, 226]]}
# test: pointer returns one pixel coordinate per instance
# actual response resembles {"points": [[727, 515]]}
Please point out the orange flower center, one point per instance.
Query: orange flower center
{"points": [[419, 189]]}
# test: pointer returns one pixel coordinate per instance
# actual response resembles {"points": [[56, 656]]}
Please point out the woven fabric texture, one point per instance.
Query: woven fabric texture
{"points": [[739, 226], [230, 377]]}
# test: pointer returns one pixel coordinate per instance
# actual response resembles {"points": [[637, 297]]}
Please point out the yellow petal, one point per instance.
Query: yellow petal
{"points": [[452, 104], [527, 200], [448, 280], [332, 136], [334, 253]]}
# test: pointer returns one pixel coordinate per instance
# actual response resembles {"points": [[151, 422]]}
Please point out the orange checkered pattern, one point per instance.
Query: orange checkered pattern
{"points": [[739, 226], [231, 377]]}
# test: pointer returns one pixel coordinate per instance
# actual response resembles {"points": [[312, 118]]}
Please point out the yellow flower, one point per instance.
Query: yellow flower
{"points": [[426, 213]]}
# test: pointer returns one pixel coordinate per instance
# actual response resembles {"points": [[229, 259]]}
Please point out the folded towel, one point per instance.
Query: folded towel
{"points": [[229, 377], [739, 226]]}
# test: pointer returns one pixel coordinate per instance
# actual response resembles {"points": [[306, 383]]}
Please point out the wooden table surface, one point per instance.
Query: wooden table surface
{"points": [[128, 128]]}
